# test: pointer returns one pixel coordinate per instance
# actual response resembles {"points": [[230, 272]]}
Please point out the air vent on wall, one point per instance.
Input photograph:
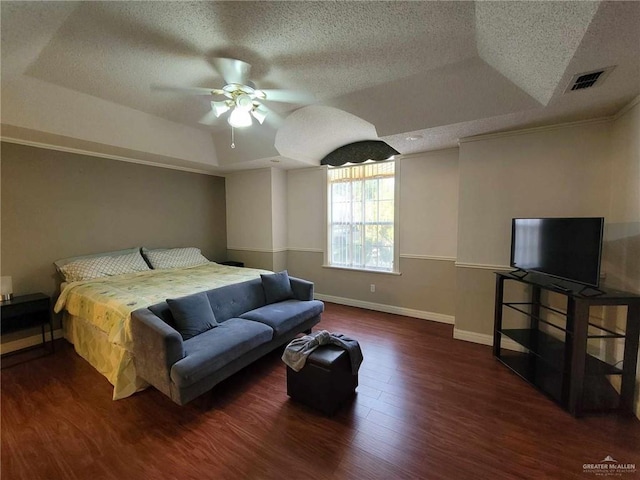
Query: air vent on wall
{"points": [[580, 81]]}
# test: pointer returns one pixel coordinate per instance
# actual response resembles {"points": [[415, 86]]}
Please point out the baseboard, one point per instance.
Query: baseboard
{"points": [[27, 342], [380, 307], [484, 339]]}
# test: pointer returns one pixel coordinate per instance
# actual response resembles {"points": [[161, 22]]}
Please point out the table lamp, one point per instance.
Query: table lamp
{"points": [[6, 289]]}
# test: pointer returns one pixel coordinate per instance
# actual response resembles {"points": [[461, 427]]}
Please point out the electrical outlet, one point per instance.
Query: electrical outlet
{"points": [[373, 287]]}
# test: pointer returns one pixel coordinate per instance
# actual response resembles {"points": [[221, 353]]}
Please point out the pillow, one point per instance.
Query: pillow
{"points": [[277, 286], [192, 314], [64, 261], [174, 257], [103, 266]]}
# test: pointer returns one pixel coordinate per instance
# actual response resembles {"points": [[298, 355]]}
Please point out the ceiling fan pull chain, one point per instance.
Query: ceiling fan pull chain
{"points": [[233, 142]]}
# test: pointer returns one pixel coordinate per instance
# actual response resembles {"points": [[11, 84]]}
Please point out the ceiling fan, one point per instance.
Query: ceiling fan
{"points": [[239, 95]]}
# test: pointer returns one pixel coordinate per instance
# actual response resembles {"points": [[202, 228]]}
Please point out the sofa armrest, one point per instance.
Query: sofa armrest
{"points": [[302, 289], [156, 347]]}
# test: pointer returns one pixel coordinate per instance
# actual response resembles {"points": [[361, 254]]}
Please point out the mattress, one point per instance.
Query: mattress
{"points": [[97, 313]]}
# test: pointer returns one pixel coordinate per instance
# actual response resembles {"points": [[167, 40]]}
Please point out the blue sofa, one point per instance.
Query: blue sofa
{"points": [[248, 328]]}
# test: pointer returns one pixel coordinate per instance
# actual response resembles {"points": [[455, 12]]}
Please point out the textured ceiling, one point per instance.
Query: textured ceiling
{"points": [[531, 43], [310, 133], [434, 70]]}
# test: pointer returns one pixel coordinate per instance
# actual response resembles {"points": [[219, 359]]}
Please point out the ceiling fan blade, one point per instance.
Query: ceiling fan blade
{"points": [[232, 70], [186, 90], [287, 96]]}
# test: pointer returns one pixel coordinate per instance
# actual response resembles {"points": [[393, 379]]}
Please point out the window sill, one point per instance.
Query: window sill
{"points": [[361, 270]]}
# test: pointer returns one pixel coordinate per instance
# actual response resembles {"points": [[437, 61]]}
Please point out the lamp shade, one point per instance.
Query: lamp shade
{"points": [[244, 102], [240, 118], [219, 108], [259, 113], [6, 288]]}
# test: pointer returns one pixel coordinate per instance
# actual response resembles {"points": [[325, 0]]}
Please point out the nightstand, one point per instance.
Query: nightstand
{"points": [[26, 311]]}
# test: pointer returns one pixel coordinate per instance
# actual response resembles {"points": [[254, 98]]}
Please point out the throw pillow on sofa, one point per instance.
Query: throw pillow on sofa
{"points": [[192, 314], [277, 286]]}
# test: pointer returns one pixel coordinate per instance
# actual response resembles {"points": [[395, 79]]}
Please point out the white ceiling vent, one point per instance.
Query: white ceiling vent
{"points": [[580, 81]]}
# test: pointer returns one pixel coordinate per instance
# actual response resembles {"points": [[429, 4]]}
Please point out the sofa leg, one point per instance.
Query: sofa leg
{"points": [[307, 332]]}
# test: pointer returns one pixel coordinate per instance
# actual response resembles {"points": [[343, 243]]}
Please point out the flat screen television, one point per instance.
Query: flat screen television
{"points": [[565, 248]]}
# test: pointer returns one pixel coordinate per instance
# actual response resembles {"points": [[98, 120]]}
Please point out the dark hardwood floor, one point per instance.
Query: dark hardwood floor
{"points": [[428, 407]]}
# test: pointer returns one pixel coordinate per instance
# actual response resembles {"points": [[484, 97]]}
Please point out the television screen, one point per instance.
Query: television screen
{"points": [[567, 248]]}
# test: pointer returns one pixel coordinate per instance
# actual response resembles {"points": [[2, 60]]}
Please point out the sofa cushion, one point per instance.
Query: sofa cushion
{"points": [[192, 315], [208, 352], [284, 316], [277, 286], [232, 300]]}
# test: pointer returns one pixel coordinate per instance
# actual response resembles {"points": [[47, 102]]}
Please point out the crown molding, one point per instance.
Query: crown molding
{"points": [[423, 153], [527, 131], [627, 107]]}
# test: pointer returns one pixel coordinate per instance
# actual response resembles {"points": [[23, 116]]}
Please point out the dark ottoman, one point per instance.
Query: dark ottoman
{"points": [[325, 382]]}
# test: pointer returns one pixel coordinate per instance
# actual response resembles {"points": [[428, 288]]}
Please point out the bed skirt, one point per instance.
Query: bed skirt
{"points": [[111, 360]]}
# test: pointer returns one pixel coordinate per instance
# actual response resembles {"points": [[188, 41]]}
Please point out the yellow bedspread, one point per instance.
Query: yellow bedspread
{"points": [[107, 302]]}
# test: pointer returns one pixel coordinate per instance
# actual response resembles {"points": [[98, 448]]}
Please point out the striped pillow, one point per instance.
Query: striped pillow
{"points": [[97, 267]]}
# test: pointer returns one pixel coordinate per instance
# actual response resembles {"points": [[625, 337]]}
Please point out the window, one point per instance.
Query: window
{"points": [[362, 217]]}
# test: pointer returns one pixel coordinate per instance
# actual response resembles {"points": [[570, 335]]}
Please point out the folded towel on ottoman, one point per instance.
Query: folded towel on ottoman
{"points": [[296, 353]]}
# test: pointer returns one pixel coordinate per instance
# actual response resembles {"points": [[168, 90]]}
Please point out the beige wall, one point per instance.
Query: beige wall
{"points": [[429, 204], [425, 289], [274, 261], [428, 225], [306, 209], [279, 209], [252, 258], [580, 170], [257, 218], [56, 205], [622, 249], [249, 222], [557, 171]]}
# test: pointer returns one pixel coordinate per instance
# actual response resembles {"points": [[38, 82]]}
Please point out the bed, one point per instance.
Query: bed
{"points": [[97, 312]]}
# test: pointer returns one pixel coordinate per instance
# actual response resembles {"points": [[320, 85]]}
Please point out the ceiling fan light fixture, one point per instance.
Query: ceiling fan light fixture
{"points": [[219, 108], [240, 118], [259, 113], [244, 102]]}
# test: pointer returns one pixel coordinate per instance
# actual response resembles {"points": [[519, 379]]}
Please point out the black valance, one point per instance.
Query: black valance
{"points": [[358, 152]]}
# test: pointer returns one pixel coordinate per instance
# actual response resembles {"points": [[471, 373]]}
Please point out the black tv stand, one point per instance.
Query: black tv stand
{"points": [[587, 291], [554, 356], [519, 273], [562, 288]]}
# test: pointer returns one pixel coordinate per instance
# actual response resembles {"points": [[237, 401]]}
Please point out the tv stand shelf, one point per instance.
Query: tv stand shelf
{"points": [[558, 364]]}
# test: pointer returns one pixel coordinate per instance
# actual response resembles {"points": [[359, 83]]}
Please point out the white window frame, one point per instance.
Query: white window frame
{"points": [[396, 224]]}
